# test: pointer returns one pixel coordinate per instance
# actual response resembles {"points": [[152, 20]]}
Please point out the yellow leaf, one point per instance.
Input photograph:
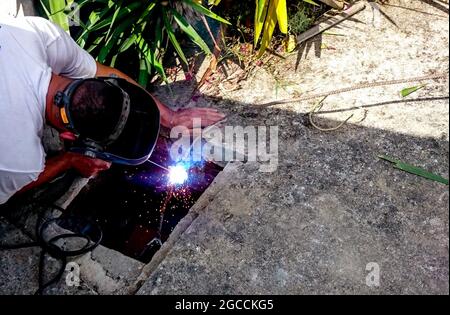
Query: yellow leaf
{"points": [[282, 15], [290, 44], [260, 17], [269, 26]]}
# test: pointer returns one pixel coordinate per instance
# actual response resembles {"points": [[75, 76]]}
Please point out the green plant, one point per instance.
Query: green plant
{"points": [[137, 29], [300, 20]]}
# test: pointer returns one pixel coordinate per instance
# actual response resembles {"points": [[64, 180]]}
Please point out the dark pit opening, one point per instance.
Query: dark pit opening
{"points": [[127, 202]]}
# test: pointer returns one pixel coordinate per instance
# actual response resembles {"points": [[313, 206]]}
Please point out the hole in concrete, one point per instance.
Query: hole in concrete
{"points": [[127, 202]]}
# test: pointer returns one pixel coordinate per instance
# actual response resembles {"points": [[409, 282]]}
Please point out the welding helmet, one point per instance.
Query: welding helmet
{"points": [[135, 134]]}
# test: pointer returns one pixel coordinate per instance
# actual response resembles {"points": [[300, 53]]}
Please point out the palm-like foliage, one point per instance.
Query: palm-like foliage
{"points": [[113, 28]]}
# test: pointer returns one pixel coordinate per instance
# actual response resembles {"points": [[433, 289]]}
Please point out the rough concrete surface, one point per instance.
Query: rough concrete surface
{"points": [[19, 268], [332, 206], [104, 271]]}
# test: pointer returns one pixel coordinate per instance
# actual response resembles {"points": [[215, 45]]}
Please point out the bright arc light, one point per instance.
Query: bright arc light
{"points": [[177, 174]]}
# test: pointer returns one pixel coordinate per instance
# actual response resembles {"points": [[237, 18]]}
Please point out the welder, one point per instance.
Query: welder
{"points": [[46, 78]]}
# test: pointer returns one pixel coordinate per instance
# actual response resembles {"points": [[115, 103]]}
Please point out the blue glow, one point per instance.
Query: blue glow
{"points": [[178, 174]]}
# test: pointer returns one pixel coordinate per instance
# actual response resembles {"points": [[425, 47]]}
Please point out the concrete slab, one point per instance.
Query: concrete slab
{"points": [[19, 268], [104, 271], [332, 207]]}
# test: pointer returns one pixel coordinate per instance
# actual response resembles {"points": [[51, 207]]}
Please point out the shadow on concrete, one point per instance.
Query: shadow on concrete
{"points": [[413, 10], [344, 164], [437, 4], [393, 102], [305, 48], [322, 178], [292, 123]]}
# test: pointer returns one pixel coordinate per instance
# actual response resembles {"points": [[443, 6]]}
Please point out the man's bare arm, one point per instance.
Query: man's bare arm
{"points": [[54, 167]]}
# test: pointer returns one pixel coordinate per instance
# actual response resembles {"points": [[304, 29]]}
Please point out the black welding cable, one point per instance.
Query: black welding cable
{"points": [[42, 284], [18, 246], [49, 247]]}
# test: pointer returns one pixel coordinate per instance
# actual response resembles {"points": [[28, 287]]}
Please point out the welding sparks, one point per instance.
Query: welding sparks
{"points": [[177, 174]]}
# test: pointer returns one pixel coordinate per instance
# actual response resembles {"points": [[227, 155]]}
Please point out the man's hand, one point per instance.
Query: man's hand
{"points": [[169, 118], [57, 165], [185, 117], [86, 166]]}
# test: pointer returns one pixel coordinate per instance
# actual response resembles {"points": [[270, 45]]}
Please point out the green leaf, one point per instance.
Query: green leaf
{"points": [[408, 91], [146, 12], [201, 9], [154, 57], [95, 44], [127, 43], [190, 31], [44, 6], [415, 170], [113, 40], [143, 73], [116, 13], [311, 2], [172, 37], [55, 12], [94, 17], [150, 53], [98, 20]]}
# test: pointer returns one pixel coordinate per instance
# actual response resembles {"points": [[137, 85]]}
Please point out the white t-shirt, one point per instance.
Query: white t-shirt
{"points": [[31, 48]]}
